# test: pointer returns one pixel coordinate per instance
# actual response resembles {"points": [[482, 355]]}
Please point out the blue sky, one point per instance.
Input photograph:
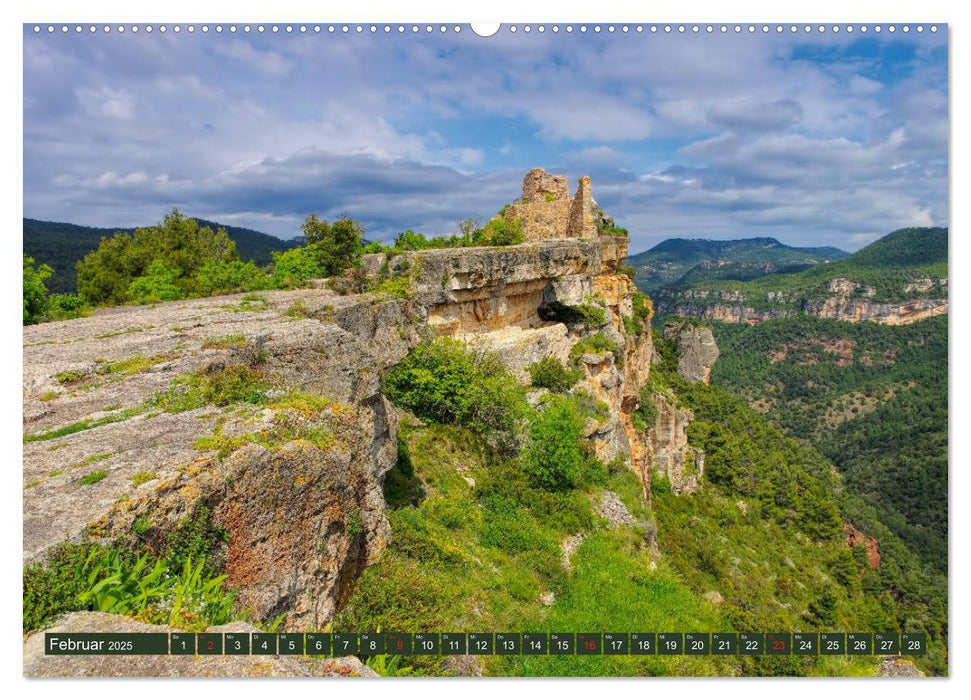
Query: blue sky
{"points": [[832, 139]]}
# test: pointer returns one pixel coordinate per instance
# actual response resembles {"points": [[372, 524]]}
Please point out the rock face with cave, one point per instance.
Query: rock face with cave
{"points": [[548, 212]]}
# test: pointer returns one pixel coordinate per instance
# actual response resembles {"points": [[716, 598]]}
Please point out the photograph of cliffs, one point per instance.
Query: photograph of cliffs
{"points": [[398, 354]]}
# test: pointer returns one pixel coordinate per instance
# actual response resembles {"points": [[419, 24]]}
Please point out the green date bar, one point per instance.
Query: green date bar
{"points": [[107, 643]]}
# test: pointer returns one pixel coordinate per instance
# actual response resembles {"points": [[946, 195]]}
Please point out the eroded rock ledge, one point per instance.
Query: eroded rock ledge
{"points": [[304, 513]]}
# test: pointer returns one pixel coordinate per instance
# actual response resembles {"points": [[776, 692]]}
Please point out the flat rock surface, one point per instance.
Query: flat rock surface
{"points": [[170, 339]]}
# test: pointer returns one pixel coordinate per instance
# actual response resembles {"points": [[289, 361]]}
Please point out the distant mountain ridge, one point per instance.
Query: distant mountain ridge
{"points": [[685, 261], [900, 278], [61, 245]]}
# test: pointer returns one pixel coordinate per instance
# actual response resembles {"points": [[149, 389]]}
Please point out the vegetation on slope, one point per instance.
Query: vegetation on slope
{"points": [[479, 543], [872, 398]]}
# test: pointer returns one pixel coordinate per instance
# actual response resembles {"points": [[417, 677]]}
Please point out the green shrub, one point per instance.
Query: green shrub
{"points": [[591, 315], [228, 276], [64, 306], [292, 268], [550, 373], [35, 291], [52, 588], [499, 232], [177, 244], [92, 478], [159, 283], [335, 246], [443, 381], [598, 344], [399, 287], [553, 459], [646, 410]]}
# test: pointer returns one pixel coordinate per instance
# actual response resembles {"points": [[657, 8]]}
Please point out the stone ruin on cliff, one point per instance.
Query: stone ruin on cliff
{"points": [[548, 212]]}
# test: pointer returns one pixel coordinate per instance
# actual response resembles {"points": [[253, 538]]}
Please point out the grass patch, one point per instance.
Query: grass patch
{"points": [[83, 425], [123, 332], [214, 386], [48, 396], [92, 478], [70, 376], [142, 478], [92, 459], [297, 310], [224, 342], [127, 367]]}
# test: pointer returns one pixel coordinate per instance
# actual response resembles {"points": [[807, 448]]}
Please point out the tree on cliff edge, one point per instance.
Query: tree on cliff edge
{"points": [[336, 246]]}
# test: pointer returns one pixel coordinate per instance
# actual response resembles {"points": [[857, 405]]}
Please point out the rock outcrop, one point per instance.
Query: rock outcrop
{"points": [[296, 482], [548, 212], [696, 349], [674, 459]]}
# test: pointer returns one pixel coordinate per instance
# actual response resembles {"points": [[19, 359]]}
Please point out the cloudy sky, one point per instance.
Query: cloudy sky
{"points": [[831, 139]]}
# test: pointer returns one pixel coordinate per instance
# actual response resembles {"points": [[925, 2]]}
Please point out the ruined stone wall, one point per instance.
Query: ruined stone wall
{"points": [[548, 212]]}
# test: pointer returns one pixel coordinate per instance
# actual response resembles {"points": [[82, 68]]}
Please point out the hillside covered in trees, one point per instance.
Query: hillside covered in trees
{"points": [[872, 398], [62, 245]]}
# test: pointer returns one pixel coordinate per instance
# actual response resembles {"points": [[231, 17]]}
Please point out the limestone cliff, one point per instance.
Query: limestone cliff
{"points": [[839, 299]]}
